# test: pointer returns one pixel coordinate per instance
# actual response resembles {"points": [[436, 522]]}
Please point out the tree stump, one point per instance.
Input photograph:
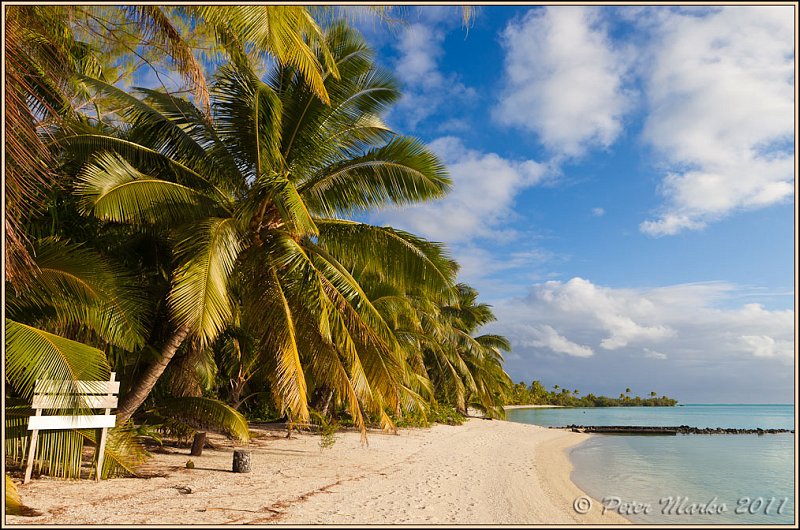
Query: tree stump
{"points": [[241, 461], [198, 443]]}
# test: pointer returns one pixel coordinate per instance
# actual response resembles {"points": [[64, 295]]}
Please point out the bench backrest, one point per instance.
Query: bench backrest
{"points": [[75, 395]]}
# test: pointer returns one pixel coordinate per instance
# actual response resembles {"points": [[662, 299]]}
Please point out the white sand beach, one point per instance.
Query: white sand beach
{"points": [[511, 407], [483, 472]]}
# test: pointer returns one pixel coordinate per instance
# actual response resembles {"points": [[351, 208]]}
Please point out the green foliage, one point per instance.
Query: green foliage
{"points": [[262, 411], [537, 394], [124, 452], [33, 354], [182, 417], [445, 414], [436, 413], [327, 429], [79, 292]]}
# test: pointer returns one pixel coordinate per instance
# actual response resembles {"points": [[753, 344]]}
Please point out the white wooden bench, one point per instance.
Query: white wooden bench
{"points": [[78, 395]]}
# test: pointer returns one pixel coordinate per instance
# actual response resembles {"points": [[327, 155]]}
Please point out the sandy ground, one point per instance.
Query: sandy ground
{"points": [[488, 472], [509, 407]]}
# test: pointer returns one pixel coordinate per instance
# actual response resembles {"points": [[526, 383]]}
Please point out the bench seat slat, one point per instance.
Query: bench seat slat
{"points": [[49, 386], [61, 401], [71, 422]]}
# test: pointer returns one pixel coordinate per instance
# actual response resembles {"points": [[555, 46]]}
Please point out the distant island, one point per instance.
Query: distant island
{"points": [[537, 394]]}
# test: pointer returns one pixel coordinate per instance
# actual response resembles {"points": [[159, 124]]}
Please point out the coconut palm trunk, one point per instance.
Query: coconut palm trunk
{"points": [[136, 396]]}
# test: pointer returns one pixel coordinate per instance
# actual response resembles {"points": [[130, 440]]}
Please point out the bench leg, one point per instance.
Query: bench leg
{"points": [[101, 450], [31, 454]]}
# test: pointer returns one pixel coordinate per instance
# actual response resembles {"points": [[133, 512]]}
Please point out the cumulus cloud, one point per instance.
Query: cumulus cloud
{"points": [[704, 345], [420, 46], [481, 201], [681, 316], [546, 337], [598, 212], [766, 346], [425, 87], [616, 315], [720, 95], [563, 79]]}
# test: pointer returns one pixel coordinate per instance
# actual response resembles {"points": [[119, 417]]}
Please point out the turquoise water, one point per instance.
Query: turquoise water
{"points": [[743, 479]]}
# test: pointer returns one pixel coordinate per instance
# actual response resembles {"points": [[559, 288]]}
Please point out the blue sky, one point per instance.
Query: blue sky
{"points": [[624, 187]]}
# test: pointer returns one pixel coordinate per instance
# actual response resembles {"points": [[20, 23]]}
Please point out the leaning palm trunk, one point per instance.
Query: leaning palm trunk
{"points": [[136, 396]]}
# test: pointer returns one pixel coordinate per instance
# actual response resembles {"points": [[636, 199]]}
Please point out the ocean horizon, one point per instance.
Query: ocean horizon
{"points": [[684, 479]]}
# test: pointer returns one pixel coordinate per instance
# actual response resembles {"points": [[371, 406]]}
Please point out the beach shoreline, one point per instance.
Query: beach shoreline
{"points": [[512, 407], [483, 472]]}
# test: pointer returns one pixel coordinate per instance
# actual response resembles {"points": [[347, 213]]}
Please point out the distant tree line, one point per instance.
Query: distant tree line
{"points": [[537, 394]]}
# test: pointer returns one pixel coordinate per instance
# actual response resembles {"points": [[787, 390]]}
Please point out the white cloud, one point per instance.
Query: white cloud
{"points": [[425, 88], [598, 212], [547, 337], [613, 314], [481, 201], [455, 125], [420, 46], [563, 79], [683, 319], [720, 91], [766, 346], [652, 354], [480, 263]]}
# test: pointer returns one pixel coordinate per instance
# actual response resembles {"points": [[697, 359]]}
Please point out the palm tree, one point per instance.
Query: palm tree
{"points": [[251, 205], [65, 301], [75, 303], [482, 354], [288, 34], [40, 58], [448, 362]]}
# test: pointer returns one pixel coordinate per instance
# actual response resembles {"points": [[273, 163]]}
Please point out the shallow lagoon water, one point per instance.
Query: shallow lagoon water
{"points": [[739, 479]]}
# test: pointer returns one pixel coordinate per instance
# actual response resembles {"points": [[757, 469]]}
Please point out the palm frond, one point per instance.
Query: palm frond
{"points": [[113, 190], [84, 291], [36, 48], [401, 172], [216, 161], [280, 31], [394, 256], [199, 296], [14, 505], [124, 453], [315, 132], [33, 354], [201, 412], [497, 342], [248, 116], [290, 207], [279, 336], [326, 367]]}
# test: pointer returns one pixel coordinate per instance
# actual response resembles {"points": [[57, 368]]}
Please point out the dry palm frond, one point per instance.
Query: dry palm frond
{"points": [[14, 505]]}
